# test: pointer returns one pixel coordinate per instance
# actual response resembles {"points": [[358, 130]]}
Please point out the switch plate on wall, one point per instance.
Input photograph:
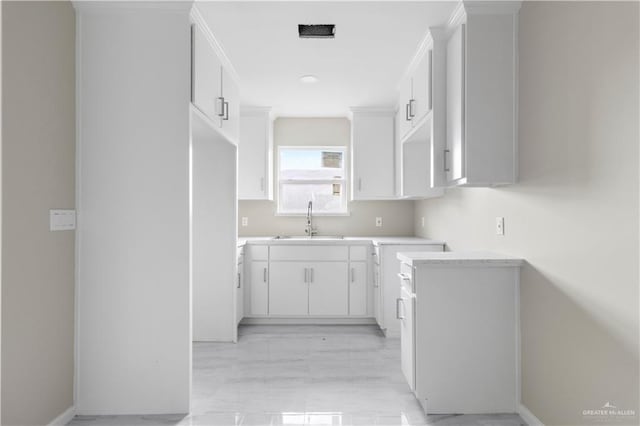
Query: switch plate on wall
{"points": [[245, 221], [378, 222], [62, 220], [499, 225]]}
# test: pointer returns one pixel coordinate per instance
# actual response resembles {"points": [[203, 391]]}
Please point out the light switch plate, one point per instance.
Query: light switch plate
{"points": [[379, 222], [245, 221], [62, 220], [499, 225], [422, 221]]}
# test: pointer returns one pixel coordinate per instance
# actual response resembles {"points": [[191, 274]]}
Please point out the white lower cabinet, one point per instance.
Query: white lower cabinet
{"points": [[257, 288], [328, 290], [405, 307], [358, 288], [288, 288], [460, 313]]}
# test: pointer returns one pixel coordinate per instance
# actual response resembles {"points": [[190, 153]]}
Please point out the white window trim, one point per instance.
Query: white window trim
{"points": [[345, 180]]}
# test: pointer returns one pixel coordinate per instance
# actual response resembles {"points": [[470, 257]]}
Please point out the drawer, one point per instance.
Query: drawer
{"points": [[358, 252], [257, 252], [312, 253]]}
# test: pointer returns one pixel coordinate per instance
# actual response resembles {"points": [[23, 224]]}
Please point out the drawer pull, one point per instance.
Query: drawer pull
{"points": [[398, 301]]}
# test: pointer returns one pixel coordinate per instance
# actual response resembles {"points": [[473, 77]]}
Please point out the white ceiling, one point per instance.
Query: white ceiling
{"points": [[374, 43]]}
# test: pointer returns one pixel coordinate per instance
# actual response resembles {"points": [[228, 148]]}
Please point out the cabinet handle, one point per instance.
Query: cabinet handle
{"points": [[446, 167], [430, 82], [375, 279], [220, 108], [353, 275], [311, 269], [239, 280], [411, 113], [398, 301], [404, 277], [407, 113], [305, 275], [264, 274], [226, 111], [262, 184], [359, 184]]}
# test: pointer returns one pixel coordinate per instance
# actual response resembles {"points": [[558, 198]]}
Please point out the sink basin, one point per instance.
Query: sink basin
{"points": [[304, 237]]}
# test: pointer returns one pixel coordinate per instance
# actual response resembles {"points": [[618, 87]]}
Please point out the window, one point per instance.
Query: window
{"points": [[312, 174]]}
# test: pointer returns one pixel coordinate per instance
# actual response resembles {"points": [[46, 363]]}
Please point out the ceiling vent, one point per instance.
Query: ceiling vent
{"points": [[317, 31]]}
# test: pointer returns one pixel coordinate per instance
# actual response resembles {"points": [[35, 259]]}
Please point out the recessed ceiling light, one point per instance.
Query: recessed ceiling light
{"points": [[309, 79]]}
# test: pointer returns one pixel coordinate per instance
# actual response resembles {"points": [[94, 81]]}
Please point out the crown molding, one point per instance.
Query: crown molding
{"points": [[481, 7], [199, 20], [104, 5]]}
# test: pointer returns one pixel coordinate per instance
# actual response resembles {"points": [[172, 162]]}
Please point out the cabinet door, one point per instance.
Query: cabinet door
{"points": [[372, 146], [240, 294], [253, 156], [257, 288], [404, 122], [358, 288], [328, 288], [205, 75], [421, 104], [288, 288], [405, 312], [455, 150], [230, 121], [377, 297]]}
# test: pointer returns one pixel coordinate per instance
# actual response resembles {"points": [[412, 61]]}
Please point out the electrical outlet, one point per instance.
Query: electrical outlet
{"points": [[422, 221], [378, 222], [499, 225], [245, 221]]}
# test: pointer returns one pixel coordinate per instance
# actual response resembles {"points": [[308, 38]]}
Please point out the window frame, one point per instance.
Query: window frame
{"points": [[344, 181]]}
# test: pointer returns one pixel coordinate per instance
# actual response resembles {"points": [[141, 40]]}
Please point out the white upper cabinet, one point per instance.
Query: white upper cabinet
{"points": [[481, 119], [415, 101], [230, 93], [214, 86], [372, 154], [206, 76], [417, 143], [420, 103], [255, 154]]}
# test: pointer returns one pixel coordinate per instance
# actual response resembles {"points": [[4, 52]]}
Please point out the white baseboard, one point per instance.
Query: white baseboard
{"points": [[64, 418], [306, 321], [528, 416]]}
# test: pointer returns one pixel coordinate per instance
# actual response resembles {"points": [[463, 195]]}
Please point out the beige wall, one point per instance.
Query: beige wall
{"points": [[397, 216], [38, 137], [574, 214]]}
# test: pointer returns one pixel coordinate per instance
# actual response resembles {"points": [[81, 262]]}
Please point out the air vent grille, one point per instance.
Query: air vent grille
{"points": [[317, 31]]}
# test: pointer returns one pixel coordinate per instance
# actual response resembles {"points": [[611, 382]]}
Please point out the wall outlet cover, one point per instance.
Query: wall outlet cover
{"points": [[378, 222], [245, 221], [499, 225]]}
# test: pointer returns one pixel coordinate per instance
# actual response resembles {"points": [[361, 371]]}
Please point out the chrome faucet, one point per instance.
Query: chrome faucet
{"points": [[309, 230]]}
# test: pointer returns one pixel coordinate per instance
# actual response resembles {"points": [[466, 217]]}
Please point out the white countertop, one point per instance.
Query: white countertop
{"points": [[463, 258], [346, 240]]}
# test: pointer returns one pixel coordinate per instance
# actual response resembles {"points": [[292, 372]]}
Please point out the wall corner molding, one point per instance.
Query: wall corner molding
{"points": [[64, 418], [528, 416]]}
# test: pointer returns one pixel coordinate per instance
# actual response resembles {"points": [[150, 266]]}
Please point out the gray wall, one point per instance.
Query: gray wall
{"points": [[397, 216], [38, 168], [574, 213]]}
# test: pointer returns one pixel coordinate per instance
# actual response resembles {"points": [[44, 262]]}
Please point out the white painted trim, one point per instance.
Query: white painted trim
{"points": [[199, 20], [491, 7], [78, 251], [85, 6], [382, 111], [64, 418], [528, 416], [307, 321]]}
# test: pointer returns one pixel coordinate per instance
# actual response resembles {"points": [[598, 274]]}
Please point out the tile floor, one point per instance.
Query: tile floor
{"points": [[301, 375]]}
